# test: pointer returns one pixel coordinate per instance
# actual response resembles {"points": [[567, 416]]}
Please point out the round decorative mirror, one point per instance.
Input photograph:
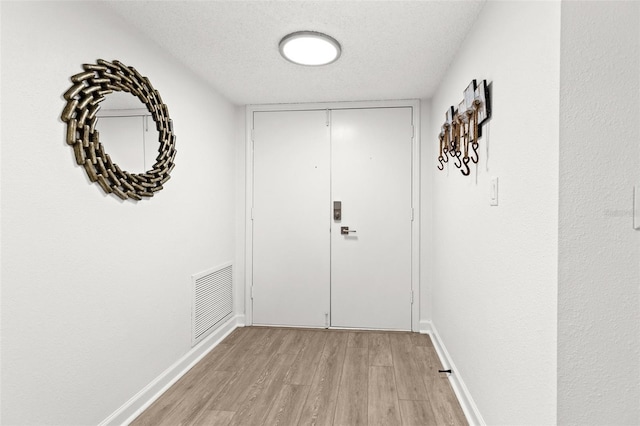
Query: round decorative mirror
{"points": [[128, 132], [80, 113]]}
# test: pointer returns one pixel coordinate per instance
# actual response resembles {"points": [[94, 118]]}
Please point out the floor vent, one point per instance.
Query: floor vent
{"points": [[212, 300]]}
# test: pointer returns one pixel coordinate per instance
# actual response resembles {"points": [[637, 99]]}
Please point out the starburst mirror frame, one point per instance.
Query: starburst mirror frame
{"points": [[83, 102]]}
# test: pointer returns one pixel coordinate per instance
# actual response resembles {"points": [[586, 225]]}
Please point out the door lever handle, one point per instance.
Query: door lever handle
{"points": [[344, 230]]}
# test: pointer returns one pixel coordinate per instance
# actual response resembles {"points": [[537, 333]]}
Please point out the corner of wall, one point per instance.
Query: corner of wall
{"points": [[103, 274], [599, 251], [240, 209], [154, 390], [494, 268], [426, 211], [468, 405]]}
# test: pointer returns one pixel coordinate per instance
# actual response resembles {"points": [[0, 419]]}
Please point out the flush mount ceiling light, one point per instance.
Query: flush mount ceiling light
{"points": [[310, 48]]}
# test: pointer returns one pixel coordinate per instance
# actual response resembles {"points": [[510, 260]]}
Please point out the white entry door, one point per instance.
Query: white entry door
{"points": [[371, 177], [291, 218], [305, 271]]}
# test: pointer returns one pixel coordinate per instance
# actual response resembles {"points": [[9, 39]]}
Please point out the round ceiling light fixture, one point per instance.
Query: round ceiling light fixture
{"points": [[310, 48]]}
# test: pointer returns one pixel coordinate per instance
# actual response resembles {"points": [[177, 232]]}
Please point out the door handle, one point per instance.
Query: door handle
{"points": [[344, 230]]}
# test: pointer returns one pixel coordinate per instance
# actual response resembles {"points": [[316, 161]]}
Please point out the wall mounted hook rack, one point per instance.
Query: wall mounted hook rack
{"points": [[463, 128]]}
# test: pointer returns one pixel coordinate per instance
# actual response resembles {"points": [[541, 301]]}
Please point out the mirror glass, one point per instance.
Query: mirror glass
{"points": [[128, 132]]}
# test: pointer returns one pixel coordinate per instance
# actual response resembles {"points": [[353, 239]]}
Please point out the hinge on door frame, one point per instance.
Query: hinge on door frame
{"points": [[412, 214], [412, 297], [328, 123], [251, 291], [251, 213]]}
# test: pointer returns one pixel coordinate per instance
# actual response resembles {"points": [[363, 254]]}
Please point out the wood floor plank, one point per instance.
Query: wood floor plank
{"points": [[238, 387], [272, 340], [383, 406], [190, 408], [358, 339], [417, 413], [187, 387], [210, 361], [236, 335], [247, 347], [287, 406], [379, 350], [304, 367], [264, 391], [410, 385], [419, 339], [164, 405], [351, 406], [284, 376], [444, 404], [294, 341], [428, 362], [213, 417], [320, 404]]}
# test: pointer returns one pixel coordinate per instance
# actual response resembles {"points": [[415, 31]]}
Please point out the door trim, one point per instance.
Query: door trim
{"points": [[415, 191]]}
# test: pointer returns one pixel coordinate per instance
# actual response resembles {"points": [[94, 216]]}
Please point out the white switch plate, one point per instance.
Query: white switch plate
{"points": [[636, 207], [493, 192]]}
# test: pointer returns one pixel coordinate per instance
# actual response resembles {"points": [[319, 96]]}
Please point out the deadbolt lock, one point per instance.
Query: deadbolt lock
{"points": [[337, 210]]}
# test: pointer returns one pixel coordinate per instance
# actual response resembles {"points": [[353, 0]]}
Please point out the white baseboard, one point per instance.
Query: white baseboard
{"points": [[143, 399], [240, 320], [469, 407], [425, 327]]}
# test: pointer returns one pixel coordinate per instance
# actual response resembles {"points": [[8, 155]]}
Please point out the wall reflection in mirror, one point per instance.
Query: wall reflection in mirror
{"points": [[128, 132]]}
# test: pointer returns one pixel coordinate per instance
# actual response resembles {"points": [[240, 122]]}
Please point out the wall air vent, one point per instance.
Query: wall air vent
{"points": [[212, 300]]}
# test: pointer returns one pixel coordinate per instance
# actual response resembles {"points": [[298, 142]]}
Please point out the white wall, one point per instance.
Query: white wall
{"points": [[95, 291], [599, 252], [494, 279], [426, 215], [240, 206]]}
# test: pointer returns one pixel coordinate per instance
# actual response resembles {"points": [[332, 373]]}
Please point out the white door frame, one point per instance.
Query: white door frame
{"points": [[415, 191]]}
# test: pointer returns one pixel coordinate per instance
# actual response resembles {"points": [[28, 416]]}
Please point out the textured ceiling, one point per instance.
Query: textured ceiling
{"points": [[391, 49]]}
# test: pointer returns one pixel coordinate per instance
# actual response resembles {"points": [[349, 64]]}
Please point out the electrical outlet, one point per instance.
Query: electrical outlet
{"points": [[493, 192]]}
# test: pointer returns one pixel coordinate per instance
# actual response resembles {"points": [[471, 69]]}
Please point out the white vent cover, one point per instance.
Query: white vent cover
{"points": [[212, 300]]}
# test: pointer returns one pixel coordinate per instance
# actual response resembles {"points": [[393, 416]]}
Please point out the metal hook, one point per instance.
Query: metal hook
{"points": [[474, 146], [440, 160], [459, 163], [465, 160]]}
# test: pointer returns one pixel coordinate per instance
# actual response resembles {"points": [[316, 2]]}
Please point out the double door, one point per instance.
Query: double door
{"points": [[332, 218]]}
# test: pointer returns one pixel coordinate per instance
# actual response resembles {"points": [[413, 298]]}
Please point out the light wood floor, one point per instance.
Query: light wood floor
{"points": [[280, 376]]}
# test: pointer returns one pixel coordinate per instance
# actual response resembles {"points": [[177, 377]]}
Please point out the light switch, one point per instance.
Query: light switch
{"points": [[493, 192]]}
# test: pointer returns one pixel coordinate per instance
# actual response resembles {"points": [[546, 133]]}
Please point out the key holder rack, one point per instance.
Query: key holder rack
{"points": [[462, 128]]}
